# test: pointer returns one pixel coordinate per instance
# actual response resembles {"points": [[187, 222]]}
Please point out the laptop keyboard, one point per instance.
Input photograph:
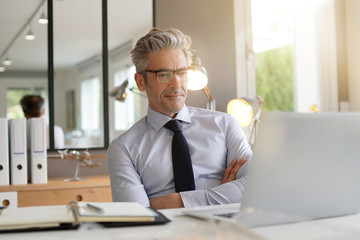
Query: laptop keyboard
{"points": [[226, 215]]}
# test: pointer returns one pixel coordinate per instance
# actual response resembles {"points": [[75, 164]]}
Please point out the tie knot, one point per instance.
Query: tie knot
{"points": [[174, 125]]}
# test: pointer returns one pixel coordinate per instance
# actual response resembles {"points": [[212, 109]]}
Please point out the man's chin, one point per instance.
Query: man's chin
{"points": [[175, 107]]}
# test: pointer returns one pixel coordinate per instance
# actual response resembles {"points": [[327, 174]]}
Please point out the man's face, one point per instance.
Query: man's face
{"points": [[166, 98]]}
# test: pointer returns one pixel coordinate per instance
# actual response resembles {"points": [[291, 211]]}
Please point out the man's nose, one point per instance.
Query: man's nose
{"points": [[175, 80]]}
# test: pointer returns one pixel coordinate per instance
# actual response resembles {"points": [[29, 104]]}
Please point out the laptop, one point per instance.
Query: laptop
{"points": [[304, 167]]}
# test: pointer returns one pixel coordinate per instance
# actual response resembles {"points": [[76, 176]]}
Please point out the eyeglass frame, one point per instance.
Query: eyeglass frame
{"points": [[171, 71]]}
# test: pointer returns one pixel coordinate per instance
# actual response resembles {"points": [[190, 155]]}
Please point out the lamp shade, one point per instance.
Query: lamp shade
{"points": [[29, 35], [43, 19], [197, 75], [120, 92], [245, 109], [7, 61]]}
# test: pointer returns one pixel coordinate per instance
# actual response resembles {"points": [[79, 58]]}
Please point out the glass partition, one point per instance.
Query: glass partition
{"points": [[65, 64], [77, 32]]}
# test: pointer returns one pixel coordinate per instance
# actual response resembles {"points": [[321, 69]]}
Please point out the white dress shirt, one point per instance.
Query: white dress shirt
{"points": [[59, 138], [140, 160]]}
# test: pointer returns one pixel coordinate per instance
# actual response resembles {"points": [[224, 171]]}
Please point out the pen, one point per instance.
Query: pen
{"points": [[95, 208], [1, 208]]}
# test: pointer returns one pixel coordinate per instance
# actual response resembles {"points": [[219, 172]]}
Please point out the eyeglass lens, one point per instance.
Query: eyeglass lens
{"points": [[166, 76]]}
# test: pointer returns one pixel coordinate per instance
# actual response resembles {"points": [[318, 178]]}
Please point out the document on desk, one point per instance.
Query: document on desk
{"points": [[107, 214]]}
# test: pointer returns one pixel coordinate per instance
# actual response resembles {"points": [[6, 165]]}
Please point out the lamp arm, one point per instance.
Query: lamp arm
{"points": [[253, 132], [208, 94], [211, 101], [137, 92]]}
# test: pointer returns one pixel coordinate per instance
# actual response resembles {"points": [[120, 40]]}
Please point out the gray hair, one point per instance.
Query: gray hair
{"points": [[157, 39]]}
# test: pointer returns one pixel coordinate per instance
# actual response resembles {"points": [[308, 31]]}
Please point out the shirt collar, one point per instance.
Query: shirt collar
{"points": [[158, 120]]}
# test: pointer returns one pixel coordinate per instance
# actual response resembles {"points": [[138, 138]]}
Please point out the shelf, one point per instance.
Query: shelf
{"points": [[58, 192]]}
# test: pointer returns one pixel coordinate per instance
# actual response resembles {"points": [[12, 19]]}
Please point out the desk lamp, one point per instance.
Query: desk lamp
{"points": [[119, 92], [198, 79], [247, 111]]}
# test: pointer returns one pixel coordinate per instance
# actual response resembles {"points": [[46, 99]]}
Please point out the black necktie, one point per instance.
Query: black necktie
{"points": [[182, 167]]}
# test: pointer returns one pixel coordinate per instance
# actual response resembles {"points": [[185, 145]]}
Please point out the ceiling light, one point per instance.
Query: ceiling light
{"points": [[30, 35], [2, 69], [43, 19], [7, 61]]}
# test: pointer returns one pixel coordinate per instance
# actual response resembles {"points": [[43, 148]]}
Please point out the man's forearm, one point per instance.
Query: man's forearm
{"points": [[172, 200]]}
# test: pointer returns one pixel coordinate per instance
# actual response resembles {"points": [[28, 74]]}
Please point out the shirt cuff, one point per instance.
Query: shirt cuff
{"points": [[133, 194], [194, 198]]}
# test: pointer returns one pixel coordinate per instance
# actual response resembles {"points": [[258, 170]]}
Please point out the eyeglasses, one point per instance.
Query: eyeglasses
{"points": [[165, 76]]}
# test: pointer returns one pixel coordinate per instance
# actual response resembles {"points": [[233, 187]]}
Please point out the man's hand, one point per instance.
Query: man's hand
{"points": [[232, 169], [172, 200]]}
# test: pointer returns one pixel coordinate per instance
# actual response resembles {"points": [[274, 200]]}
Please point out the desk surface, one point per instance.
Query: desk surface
{"points": [[184, 227]]}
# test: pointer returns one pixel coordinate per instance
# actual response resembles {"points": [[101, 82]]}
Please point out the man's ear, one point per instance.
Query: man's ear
{"points": [[140, 81]]}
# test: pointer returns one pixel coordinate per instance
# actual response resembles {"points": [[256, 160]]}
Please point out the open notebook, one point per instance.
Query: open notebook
{"points": [[107, 214], [304, 167]]}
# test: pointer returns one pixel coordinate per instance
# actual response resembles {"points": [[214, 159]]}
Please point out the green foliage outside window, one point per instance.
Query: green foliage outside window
{"points": [[274, 79]]}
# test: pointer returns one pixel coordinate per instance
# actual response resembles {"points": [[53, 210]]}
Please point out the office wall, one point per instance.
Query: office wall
{"points": [[210, 23], [352, 10], [343, 84]]}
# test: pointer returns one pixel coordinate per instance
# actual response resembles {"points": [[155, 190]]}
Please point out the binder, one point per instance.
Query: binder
{"points": [[72, 215], [37, 155], [18, 153], [4, 153], [8, 200]]}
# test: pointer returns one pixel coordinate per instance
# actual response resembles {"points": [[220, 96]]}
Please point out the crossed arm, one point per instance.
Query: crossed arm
{"points": [[173, 200]]}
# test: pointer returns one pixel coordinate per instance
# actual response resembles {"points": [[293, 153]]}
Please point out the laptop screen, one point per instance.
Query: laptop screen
{"points": [[305, 166]]}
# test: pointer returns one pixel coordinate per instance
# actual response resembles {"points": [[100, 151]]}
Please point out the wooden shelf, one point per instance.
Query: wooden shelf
{"points": [[57, 191]]}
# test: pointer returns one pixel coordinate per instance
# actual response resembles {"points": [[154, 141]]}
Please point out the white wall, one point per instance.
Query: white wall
{"points": [[70, 79], [63, 82]]}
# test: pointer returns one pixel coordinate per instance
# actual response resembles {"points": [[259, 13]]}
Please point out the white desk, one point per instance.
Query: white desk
{"points": [[183, 227]]}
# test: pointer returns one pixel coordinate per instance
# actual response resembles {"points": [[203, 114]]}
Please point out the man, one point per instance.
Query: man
{"points": [[33, 107], [140, 160]]}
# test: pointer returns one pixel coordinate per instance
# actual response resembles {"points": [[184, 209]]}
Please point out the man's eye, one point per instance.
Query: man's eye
{"points": [[182, 73], [164, 74]]}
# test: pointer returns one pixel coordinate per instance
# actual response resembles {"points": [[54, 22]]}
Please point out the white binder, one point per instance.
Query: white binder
{"points": [[18, 153], [37, 164], [4, 153]]}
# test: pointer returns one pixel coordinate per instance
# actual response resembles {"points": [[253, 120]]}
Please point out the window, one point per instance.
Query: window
{"points": [[124, 112], [294, 43], [13, 97], [90, 104]]}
